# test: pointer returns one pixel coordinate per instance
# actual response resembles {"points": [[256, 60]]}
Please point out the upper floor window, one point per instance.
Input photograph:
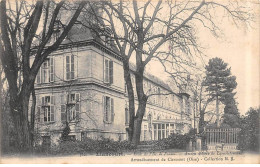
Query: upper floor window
{"points": [[108, 71], [46, 110], [71, 64], [108, 109], [70, 107], [46, 72]]}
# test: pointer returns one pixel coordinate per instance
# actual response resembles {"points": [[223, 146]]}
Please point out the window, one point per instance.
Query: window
{"points": [[188, 107], [46, 72], [163, 131], [108, 71], [108, 109], [70, 108], [150, 122], [145, 132], [155, 131], [108, 40], [167, 130], [171, 128], [56, 30], [70, 67], [46, 110], [159, 132], [47, 114]]}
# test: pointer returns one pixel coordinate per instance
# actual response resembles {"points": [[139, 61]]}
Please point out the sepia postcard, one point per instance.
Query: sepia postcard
{"points": [[130, 82]]}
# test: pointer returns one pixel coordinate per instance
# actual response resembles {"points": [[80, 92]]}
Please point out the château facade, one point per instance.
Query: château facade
{"points": [[82, 83]]}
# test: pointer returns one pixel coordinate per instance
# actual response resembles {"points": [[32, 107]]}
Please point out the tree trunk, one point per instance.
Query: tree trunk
{"points": [[142, 99], [138, 123], [19, 111], [217, 111], [131, 98], [202, 113], [201, 121], [32, 116]]}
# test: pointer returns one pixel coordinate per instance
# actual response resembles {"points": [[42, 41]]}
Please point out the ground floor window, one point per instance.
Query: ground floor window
{"points": [[162, 130], [145, 132]]}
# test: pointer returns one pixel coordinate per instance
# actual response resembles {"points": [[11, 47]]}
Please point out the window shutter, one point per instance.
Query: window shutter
{"points": [[43, 102], [67, 70], [104, 108], [76, 66], [38, 114], [42, 76], [63, 109], [52, 113], [52, 107], [72, 67], [77, 106], [126, 116], [52, 100], [38, 78], [106, 71], [112, 110], [111, 72], [51, 69], [68, 100], [42, 115]]}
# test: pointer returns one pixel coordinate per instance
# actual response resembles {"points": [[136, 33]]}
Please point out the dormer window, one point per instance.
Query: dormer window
{"points": [[106, 36], [56, 30]]}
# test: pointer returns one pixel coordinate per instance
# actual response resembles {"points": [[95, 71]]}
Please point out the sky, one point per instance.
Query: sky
{"points": [[239, 47]]}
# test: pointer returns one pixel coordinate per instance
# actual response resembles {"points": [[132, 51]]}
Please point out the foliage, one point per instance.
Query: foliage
{"points": [[249, 135], [231, 115], [219, 81], [104, 145], [174, 141], [87, 146], [27, 28], [65, 132], [149, 33], [220, 85]]}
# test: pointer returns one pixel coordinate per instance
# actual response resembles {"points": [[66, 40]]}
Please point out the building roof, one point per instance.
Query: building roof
{"points": [[80, 34], [153, 79]]}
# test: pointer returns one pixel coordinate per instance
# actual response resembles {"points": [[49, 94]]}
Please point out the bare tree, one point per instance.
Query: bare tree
{"points": [[23, 23], [143, 29], [200, 98]]}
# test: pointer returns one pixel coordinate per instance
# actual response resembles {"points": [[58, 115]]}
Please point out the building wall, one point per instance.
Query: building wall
{"points": [[90, 85]]}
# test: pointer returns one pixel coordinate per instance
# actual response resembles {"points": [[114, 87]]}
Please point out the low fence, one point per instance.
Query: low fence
{"points": [[227, 137]]}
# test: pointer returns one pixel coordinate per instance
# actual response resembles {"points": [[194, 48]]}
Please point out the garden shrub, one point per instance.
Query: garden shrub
{"points": [[88, 146], [174, 141], [249, 136]]}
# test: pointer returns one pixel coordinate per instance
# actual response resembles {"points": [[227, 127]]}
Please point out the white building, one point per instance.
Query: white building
{"points": [[83, 83]]}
